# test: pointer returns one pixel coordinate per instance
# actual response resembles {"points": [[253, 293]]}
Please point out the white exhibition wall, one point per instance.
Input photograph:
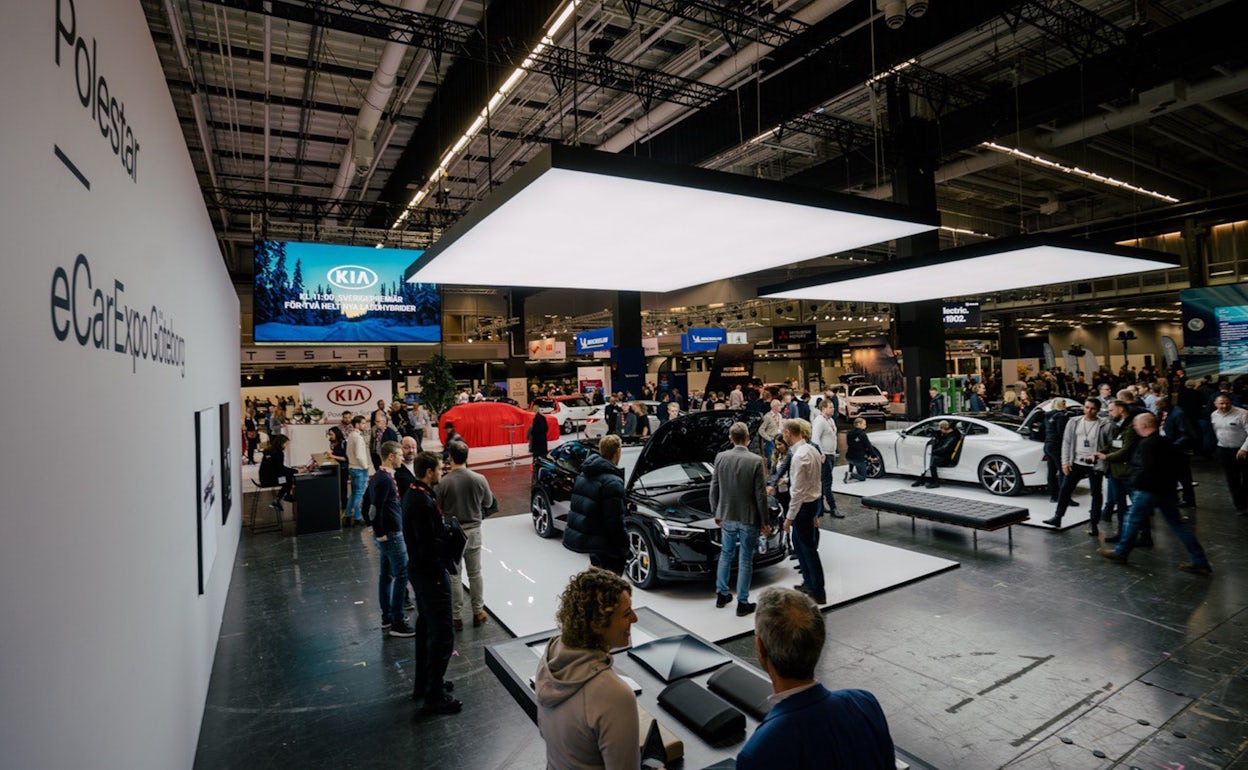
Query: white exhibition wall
{"points": [[119, 321]]}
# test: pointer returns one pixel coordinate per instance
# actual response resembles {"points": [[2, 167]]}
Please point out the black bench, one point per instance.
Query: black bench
{"points": [[974, 514]]}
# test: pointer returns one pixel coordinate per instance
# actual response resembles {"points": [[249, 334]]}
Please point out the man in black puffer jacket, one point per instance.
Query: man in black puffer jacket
{"points": [[596, 513]]}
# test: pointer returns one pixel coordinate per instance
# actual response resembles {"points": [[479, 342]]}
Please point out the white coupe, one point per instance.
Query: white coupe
{"points": [[998, 452]]}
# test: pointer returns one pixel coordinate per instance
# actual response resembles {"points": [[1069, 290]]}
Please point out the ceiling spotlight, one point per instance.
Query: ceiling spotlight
{"points": [[753, 313], [719, 319], [894, 12], [916, 8]]}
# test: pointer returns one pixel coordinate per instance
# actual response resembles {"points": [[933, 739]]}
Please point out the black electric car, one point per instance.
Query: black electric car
{"points": [[671, 532]]}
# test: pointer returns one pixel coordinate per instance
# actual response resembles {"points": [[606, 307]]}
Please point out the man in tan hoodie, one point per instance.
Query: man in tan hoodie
{"points": [[585, 712]]}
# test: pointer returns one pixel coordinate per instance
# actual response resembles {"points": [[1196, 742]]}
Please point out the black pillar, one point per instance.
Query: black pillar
{"points": [[1007, 344], [518, 339], [920, 325], [1194, 240], [628, 362]]}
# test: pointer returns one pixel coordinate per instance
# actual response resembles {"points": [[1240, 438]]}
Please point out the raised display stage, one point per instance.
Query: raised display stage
{"points": [[524, 576], [1037, 503]]}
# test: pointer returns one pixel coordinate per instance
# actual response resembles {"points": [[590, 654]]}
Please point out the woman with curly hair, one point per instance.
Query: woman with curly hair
{"points": [[586, 713]]}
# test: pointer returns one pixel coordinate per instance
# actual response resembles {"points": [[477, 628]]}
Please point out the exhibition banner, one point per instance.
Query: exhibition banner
{"points": [[326, 401], [958, 314], [793, 335], [1050, 358], [594, 340], [737, 338], [1215, 330], [598, 377], [323, 292], [733, 365], [700, 340], [650, 346], [548, 349], [271, 355]]}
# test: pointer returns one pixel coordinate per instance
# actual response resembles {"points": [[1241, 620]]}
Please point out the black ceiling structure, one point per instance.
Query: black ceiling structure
{"points": [[1106, 118]]}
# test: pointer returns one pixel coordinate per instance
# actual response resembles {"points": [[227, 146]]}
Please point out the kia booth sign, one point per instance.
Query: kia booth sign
{"points": [[328, 400], [327, 293]]}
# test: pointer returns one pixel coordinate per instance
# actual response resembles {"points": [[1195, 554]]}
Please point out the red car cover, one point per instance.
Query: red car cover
{"points": [[481, 424]]}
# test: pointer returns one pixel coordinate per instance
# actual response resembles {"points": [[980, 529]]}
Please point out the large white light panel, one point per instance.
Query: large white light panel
{"points": [[579, 230], [1032, 266]]}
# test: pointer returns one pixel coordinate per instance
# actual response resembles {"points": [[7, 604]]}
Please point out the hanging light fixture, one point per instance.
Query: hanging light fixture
{"points": [[982, 268], [651, 226]]}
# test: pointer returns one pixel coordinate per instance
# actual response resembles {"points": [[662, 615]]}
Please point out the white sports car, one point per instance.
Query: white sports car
{"points": [[998, 451]]}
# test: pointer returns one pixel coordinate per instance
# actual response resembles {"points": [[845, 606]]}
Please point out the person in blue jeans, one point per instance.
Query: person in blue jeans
{"points": [[383, 495], [739, 503], [358, 464], [1154, 486]]}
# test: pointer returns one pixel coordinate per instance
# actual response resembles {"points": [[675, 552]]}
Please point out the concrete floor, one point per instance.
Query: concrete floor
{"points": [[1046, 656]]}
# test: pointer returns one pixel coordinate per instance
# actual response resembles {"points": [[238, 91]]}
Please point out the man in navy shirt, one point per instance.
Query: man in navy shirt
{"points": [[809, 726]]}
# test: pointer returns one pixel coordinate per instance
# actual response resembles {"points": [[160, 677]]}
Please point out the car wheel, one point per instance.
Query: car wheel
{"points": [[543, 520], [875, 463], [641, 569], [1000, 476], [566, 427]]}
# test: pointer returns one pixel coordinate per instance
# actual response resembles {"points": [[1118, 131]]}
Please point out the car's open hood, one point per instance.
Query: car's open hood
{"points": [[695, 437]]}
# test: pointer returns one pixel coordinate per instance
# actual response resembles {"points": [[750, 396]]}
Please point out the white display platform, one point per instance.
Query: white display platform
{"points": [[524, 576], [1038, 504]]}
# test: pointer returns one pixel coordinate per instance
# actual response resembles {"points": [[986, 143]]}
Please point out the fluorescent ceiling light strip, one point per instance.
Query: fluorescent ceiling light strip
{"points": [[980, 269], [495, 101], [1076, 171], [622, 223]]}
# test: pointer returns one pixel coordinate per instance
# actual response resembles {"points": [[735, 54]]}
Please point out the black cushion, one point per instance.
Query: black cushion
{"points": [[707, 714], [950, 510]]}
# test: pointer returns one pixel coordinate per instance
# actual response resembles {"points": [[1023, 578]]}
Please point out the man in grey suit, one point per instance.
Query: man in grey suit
{"points": [[739, 500]]}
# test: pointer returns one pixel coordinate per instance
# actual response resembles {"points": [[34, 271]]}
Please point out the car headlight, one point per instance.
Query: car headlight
{"points": [[676, 531]]}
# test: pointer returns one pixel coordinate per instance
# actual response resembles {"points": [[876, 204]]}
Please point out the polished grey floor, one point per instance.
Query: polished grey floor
{"points": [[1046, 656]]}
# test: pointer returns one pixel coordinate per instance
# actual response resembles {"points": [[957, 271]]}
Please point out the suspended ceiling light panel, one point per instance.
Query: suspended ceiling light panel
{"points": [[583, 219], [982, 268]]}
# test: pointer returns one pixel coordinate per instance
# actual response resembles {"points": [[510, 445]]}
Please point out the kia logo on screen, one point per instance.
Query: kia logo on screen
{"points": [[352, 277], [349, 395]]}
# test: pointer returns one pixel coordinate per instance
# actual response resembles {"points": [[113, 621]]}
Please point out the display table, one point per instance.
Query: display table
{"points": [[515, 661], [316, 500]]}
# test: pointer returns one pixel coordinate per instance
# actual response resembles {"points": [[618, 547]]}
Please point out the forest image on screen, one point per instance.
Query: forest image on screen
{"points": [[316, 292]]}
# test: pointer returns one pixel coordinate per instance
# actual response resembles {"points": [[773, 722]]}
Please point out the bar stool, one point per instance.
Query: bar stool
{"points": [[255, 502]]}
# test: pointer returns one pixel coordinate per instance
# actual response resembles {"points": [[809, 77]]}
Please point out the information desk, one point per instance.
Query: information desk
{"points": [[514, 662], [316, 500]]}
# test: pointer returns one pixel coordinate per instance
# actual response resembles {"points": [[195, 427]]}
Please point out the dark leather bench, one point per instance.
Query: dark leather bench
{"points": [[973, 514]]}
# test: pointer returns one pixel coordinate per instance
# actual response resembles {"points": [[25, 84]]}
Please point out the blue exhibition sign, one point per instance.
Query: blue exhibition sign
{"points": [[594, 340], [700, 340]]}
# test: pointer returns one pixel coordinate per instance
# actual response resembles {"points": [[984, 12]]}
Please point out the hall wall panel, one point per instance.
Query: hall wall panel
{"points": [[107, 644]]}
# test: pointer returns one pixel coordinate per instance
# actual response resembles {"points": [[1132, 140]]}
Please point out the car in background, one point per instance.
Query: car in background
{"points": [[1002, 453], [571, 412], [597, 425], [860, 399], [671, 530]]}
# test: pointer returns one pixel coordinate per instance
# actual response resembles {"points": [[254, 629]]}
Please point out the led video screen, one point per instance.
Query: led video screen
{"points": [[1215, 330], [329, 293]]}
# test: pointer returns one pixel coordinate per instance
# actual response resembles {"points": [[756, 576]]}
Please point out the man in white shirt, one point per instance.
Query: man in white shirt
{"points": [[805, 489], [358, 464], [1230, 427], [823, 435], [736, 399]]}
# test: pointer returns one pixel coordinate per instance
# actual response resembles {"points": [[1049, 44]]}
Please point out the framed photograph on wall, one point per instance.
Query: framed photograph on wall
{"points": [[227, 460], [207, 489]]}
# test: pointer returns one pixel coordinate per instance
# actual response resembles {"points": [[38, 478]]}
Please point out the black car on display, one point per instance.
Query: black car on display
{"points": [[671, 532]]}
